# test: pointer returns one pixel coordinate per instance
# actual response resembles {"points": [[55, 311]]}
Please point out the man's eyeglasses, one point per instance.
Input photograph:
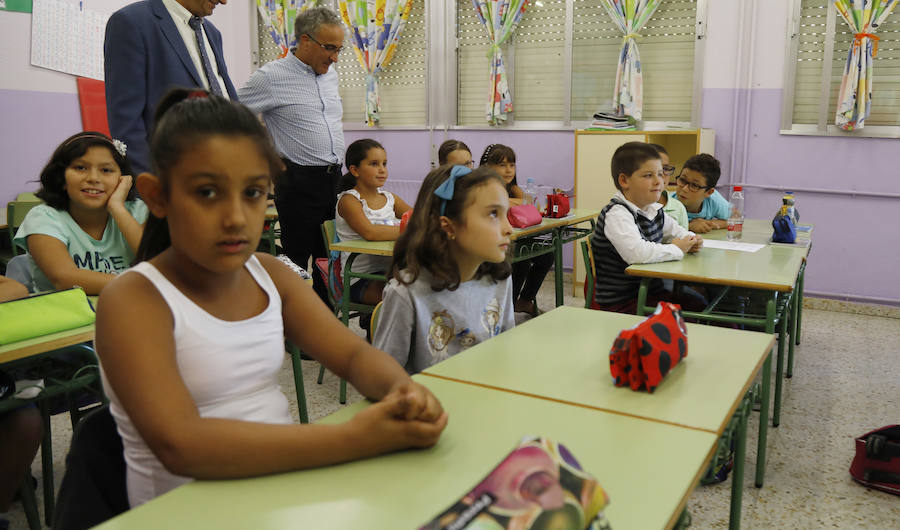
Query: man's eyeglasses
{"points": [[682, 182], [330, 48], [668, 170]]}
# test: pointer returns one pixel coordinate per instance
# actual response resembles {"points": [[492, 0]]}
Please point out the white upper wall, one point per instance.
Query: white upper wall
{"points": [[730, 33], [233, 20]]}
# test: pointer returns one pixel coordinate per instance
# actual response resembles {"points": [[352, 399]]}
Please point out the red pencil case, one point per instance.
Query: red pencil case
{"points": [[642, 356]]}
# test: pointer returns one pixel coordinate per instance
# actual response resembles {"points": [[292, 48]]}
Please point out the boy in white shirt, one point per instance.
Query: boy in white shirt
{"points": [[633, 228]]}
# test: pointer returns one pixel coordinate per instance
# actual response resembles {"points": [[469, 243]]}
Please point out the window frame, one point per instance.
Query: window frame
{"points": [[442, 47], [825, 125]]}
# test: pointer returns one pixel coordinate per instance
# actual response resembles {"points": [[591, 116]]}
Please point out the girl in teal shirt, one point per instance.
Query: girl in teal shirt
{"points": [[90, 225]]}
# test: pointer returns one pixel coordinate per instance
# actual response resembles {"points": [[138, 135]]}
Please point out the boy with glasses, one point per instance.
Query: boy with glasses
{"points": [[706, 208], [671, 205]]}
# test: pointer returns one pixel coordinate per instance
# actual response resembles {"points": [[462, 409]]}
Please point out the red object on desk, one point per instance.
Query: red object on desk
{"points": [[92, 99]]}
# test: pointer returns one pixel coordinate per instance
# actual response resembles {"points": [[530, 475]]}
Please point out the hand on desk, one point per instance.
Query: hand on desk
{"points": [[698, 244], [701, 226], [408, 416], [688, 244]]}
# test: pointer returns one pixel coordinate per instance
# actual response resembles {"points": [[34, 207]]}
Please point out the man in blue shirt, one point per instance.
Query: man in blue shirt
{"points": [[706, 208], [299, 101]]}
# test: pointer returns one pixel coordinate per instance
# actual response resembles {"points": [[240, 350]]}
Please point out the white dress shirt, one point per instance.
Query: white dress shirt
{"points": [[181, 16], [621, 230]]}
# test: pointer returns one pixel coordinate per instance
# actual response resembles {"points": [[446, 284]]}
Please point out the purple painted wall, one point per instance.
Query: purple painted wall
{"points": [[855, 252], [34, 123]]}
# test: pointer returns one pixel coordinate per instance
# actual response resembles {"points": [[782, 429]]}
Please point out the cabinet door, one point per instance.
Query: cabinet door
{"points": [[594, 185]]}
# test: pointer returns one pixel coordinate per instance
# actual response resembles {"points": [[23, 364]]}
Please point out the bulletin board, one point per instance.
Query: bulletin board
{"points": [[67, 37], [23, 6]]}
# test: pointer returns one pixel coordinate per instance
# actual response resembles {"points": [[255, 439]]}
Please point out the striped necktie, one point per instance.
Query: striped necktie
{"points": [[196, 23]]}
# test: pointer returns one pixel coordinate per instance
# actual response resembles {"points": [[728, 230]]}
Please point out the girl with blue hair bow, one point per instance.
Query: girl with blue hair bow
{"points": [[450, 285]]}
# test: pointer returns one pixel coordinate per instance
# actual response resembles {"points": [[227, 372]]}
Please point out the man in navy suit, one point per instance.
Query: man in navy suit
{"points": [[152, 46]]}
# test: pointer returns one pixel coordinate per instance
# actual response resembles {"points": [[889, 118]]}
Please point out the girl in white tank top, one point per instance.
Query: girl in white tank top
{"points": [[365, 211], [190, 345]]}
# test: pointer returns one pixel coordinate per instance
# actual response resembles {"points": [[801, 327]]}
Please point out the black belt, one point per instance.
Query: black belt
{"points": [[330, 168]]}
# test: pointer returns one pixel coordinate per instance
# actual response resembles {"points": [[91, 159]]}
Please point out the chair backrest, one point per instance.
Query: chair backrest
{"points": [[19, 269], [15, 214], [28, 196], [588, 255], [333, 280], [93, 488], [376, 314]]}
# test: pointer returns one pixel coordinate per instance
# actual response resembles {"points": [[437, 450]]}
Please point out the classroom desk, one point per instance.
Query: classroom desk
{"points": [[647, 468], [561, 230], [46, 343], [773, 271], [563, 356], [759, 231]]}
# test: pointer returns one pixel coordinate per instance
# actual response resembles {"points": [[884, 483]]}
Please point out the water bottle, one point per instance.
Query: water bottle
{"points": [[736, 219], [530, 191], [789, 201]]}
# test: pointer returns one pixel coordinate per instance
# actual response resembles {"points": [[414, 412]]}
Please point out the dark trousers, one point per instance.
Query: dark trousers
{"points": [[306, 197], [528, 275]]}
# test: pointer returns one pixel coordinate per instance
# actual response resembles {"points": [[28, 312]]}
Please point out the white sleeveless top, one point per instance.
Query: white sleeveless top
{"points": [[230, 369], [382, 216]]}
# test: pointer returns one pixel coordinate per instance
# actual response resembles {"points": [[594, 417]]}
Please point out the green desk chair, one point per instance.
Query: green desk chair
{"points": [[589, 273], [15, 214], [330, 270], [298, 381], [67, 373], [376, 314], [28, 196]]}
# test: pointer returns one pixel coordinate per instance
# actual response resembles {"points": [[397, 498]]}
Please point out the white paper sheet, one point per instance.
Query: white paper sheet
{"points": [[731, 245], [67, 38]]}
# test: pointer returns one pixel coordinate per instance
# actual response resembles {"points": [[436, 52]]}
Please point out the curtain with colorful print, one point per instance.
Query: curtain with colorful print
{"points": [[630, 16], [855, 96], [375, 27], [499, 18], [278, 17]]}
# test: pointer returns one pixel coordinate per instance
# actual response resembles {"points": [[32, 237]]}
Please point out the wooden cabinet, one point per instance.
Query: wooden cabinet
{"points": [[594, 185]]}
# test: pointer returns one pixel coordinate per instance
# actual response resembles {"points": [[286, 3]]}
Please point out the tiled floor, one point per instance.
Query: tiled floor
{"points": [[847, 381]]}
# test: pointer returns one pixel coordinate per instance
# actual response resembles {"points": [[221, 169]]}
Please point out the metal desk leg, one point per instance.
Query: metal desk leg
{"points": [[783, 337], [764, 399], [298, 383], [558, 266], [642, 296], [799, 305], [345, 294], [740, 454], [794, 328]]}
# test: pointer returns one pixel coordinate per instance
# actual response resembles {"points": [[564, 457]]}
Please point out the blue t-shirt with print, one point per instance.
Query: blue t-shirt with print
{"points": [[110, 255], [714, 207]]}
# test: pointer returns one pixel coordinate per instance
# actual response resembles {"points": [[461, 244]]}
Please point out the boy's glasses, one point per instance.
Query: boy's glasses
{"points": [[682, 182], [668, 170], [330, 48]]}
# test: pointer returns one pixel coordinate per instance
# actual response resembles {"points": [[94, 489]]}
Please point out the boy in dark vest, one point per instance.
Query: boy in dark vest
{"points": [[633, 228]]}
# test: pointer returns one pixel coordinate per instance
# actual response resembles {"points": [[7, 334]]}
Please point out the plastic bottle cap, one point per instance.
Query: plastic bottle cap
{"points": [[738, 188]]}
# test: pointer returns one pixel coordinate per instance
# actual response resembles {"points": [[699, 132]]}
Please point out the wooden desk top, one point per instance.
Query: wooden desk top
{"points": [[772, 268], [634, 460], [53, 341], [563, 355]]}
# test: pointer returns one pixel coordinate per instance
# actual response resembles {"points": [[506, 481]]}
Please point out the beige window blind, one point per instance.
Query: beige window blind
{"points": [[666, 48]]}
